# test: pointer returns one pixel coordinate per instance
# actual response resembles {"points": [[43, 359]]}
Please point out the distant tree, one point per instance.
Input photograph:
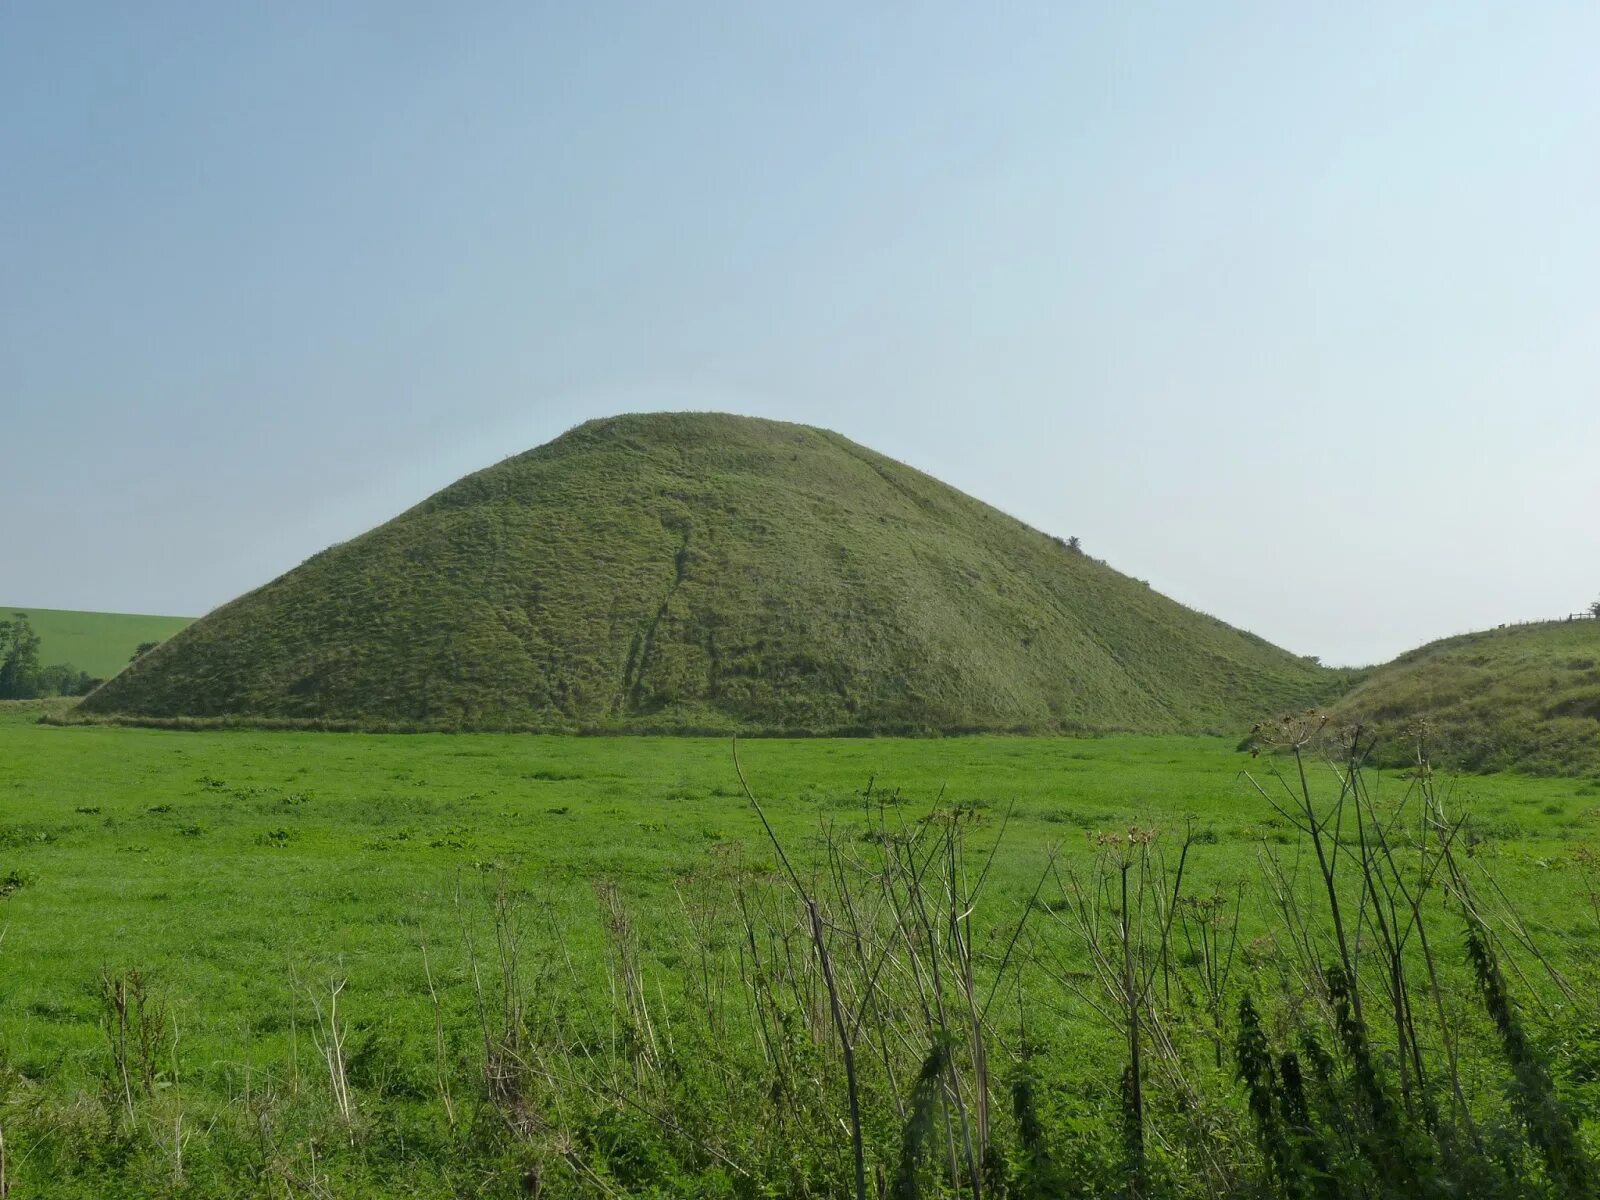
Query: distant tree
{"points": [[1074, 545], [19, 659], [62, 679], [54, 680], [141, 650], [1594, 609]]}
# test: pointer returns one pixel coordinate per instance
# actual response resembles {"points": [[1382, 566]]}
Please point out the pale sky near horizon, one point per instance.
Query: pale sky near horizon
{"points": [[1292, 310]]}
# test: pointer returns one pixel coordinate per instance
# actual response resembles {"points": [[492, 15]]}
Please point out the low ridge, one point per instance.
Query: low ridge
{"points": [[1523, 696], [695, 571]]}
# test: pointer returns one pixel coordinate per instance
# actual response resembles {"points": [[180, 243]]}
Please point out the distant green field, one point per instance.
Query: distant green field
{"points": [[99, 643], [240, 872]]}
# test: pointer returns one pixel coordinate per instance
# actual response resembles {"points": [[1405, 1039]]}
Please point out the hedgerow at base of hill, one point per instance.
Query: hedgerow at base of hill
{"points": [[674, 725]]}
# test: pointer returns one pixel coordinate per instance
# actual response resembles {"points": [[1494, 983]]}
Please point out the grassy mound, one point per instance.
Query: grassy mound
{"points": [[1525, 696], [96, 642], [699, 571]]}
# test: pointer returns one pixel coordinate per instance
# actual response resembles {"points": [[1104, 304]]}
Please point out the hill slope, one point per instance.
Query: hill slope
{"points": [[686, 571], [96, 642], [1526, 696]]}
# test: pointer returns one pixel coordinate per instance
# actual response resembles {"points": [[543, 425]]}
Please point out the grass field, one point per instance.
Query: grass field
{"points": [[238, 873], [99, 643]]}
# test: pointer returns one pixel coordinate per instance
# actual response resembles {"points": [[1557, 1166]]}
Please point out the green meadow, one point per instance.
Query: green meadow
{"points": [[179, 906]]}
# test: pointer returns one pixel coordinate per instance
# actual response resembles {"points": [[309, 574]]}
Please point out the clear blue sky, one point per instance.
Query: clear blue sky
{"points": [[1292, 310]]}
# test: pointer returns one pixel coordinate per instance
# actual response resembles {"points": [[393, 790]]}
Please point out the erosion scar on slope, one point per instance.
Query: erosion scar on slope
{"points": [[645, 639]]}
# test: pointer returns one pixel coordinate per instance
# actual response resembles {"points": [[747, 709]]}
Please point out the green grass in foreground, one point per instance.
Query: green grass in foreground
{"points": [[99, 643], [239, 872]]}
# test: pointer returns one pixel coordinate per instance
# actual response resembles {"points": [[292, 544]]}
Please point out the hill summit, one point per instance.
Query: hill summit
{"points": [[696, 571]]}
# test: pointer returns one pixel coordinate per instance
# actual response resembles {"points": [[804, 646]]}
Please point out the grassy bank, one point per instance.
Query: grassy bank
{"points": [[1523, 697]]}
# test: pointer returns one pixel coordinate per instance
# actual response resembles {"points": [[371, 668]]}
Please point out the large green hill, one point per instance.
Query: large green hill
{"points": [[1523, 696], [702, 571], [96, 642]]}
